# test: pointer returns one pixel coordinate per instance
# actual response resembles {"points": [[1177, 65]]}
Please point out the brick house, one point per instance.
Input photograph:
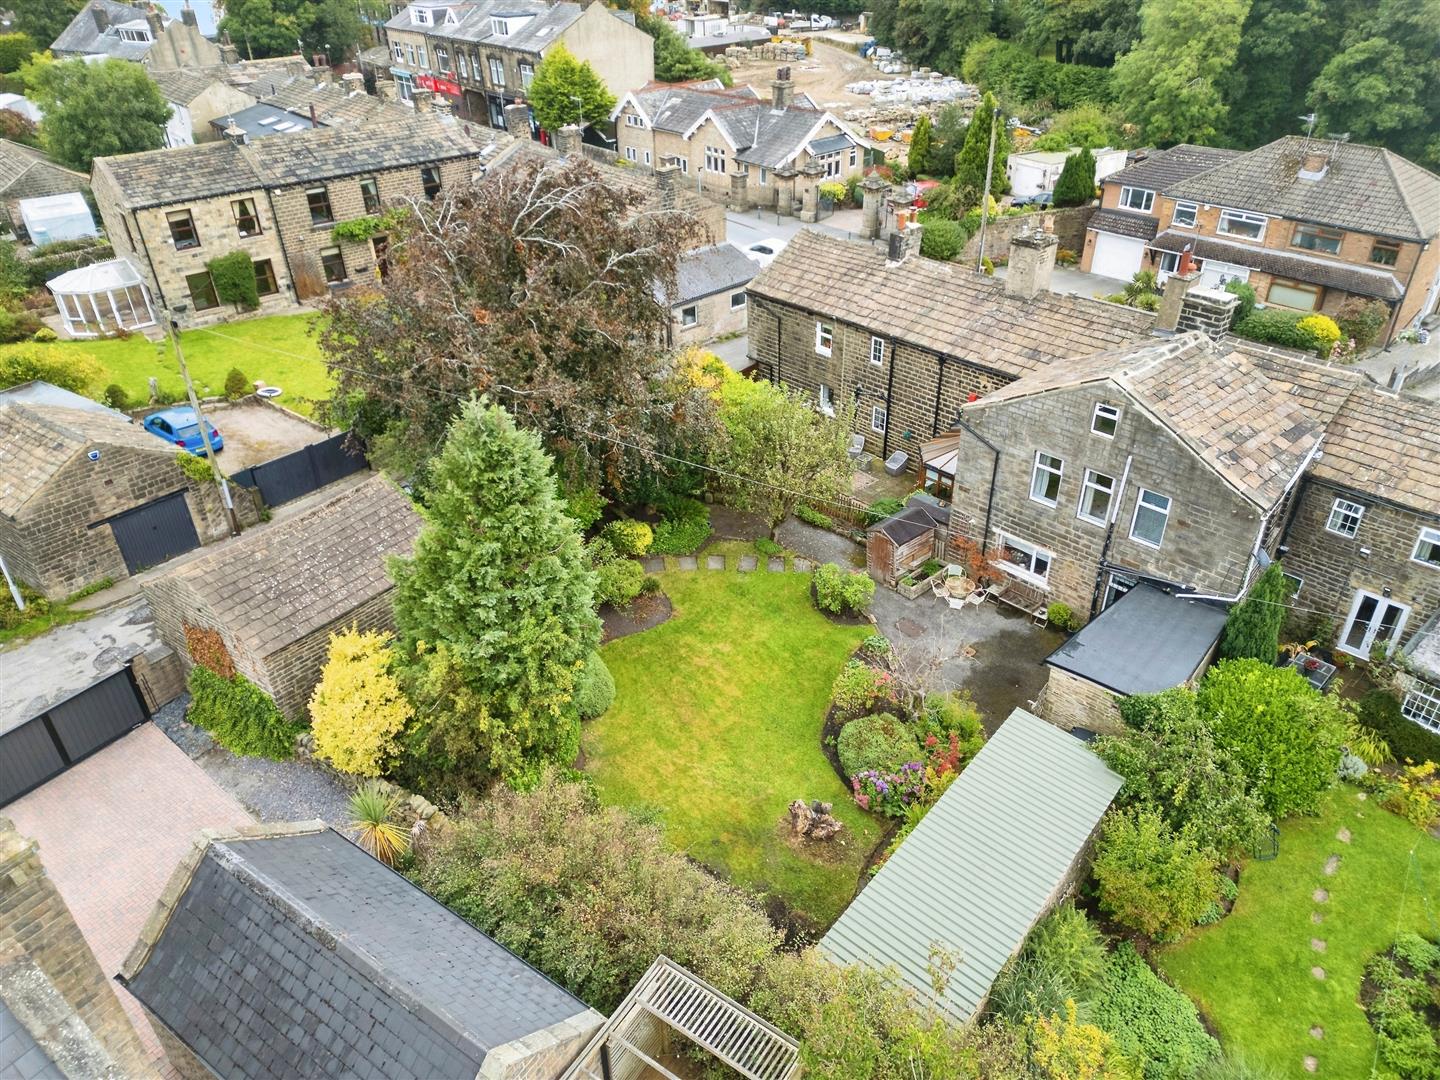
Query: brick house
{"points": [[86, 494], [278, 199], [736, 144], [277, 593], [907, 340], [480, 55], [286, 950], [1308, 223]]}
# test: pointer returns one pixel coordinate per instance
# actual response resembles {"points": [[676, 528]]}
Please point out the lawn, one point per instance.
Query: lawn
{"points": [[1251, 972], [716, 726], [279, 349]]}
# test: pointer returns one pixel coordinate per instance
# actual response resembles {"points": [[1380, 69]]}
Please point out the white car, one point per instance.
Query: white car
{"points": [[764, 251]]}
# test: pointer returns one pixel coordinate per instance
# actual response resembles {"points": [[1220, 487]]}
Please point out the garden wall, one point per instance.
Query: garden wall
{"points": [[1068, 226], [1068, 702]]}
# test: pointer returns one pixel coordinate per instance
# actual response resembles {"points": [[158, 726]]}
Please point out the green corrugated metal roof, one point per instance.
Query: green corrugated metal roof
{"points": [[983, 864]]}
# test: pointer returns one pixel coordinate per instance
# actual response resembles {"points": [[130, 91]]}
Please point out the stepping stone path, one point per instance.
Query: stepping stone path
{"points": [[1317, 944], [1312, 1065], [748, 563], [775, 564], [1317, 1032], [1343, 836], [1331, 865], [801, 566], [687, 562], [714, 562], [1318, 972], [1316, 918], [1320, 896], [654, 564]]}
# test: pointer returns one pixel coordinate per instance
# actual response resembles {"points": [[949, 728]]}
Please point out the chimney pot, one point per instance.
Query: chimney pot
{"points": [[517, 120], [187, 16], [422, 99], [102, 20], [235, 134], [1032, 261], [782, 89]]}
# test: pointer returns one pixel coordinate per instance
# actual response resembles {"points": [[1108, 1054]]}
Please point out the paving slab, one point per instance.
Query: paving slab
{"points": [[748, 563], [653, 564], [687, 562], [714, 562], [802, 566], [775, 564]]}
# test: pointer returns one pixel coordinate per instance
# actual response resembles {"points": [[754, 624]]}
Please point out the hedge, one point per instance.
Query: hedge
{"points": [[1290, 329], [1380, 712]]}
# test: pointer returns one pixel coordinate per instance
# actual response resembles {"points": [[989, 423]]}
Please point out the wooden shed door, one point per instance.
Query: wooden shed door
{"points": [[150, 534]]}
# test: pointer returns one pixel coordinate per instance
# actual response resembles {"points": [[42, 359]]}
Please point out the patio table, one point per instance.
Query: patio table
{"points": [[1316, 671]]}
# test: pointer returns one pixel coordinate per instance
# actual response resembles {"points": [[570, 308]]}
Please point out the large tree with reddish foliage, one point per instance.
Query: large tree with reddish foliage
{"points": [[540, 286]]}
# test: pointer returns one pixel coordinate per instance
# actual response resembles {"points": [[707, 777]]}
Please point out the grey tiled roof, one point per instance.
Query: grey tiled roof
{"points": [[1365, 188], [1386, 445], [302, 956], [183, 85], [1239, 418], [763, 136], [1124, 223], [547, 23], [26, 173], [273, 585], [1164, 168], [36, 441], [710, 270], [334, 106], [1312, 268], [21, 1057], [161, 177], [83, 36], [944, 307]]}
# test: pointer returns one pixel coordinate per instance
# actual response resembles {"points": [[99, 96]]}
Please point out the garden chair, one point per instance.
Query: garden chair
{"points": [[857, 446], [937, 586]]}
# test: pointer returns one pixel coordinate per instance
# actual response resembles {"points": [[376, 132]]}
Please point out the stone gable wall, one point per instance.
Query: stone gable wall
{"points": [[1068, 702], [289, 676]]}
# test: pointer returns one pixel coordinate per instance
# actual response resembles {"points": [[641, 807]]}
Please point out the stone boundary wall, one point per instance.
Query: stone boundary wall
{"points": [[1068, 226]]}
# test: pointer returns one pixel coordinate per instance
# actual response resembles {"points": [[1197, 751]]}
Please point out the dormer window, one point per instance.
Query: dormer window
{"points": [[500, 27], [1141, 199], [134, 35], [420, 16], [505, 25]]}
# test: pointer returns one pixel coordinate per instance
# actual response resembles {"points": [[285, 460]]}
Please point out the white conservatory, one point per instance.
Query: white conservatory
{"points": [[102, 298]]}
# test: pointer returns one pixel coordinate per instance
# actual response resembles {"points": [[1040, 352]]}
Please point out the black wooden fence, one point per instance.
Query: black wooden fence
{"points": [[306, 470], [48, 744]]}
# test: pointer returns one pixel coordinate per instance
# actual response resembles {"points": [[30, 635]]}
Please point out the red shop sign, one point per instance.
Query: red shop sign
{"points": [[442, 86]]}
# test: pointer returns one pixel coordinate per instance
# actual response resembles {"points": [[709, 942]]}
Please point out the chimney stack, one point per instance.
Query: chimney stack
{"points": [[353, 82], [905, 242], [102, 20], [1032, 260], [187, 16], [782, 90], [229, 54], [321, 76], [157, 23], [568, 140], [517, 120], [386, 90], [666, 179], [1172, 300], [234, 133], [422, 99], [874, 188]]}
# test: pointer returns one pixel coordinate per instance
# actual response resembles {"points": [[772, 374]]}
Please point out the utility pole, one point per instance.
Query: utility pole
{"points": [[200, 418], [985, 195]]}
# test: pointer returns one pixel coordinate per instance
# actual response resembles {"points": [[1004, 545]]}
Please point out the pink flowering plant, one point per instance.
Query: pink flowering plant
{"points": [[889, 793]]}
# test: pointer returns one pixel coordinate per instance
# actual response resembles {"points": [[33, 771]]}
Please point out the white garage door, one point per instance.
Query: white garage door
{"points": [[1116, 256]]}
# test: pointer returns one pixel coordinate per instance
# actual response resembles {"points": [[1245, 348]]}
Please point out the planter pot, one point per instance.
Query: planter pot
{"points": [[911, 592]]}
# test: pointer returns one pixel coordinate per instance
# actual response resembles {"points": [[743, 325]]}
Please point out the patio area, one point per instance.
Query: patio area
{"points": [[992, 652]]}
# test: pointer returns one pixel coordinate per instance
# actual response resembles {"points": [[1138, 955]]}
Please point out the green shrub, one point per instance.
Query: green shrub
{"points": [[1151, 1021], [11, 616], [618, 580], [684, 526], [1361, 320], [882, 742], [859, 688], [767, 547], [629, 537], [942, 239], [240, 715], [1068, 943], [1247, 296], [1380, 712], [1151, 878], [1252, 627], [930, 567], [944, 713], [1062, 617], [842, 592], [196, 468], [584, 505], [45, 335], [594, 689], [1322, 330], [116, 397], [236, 384], [876, 646], [813, 517], [1423, 956], [234, 278], [1290, 329], [62, 365], [881, 509], [18, 324]]}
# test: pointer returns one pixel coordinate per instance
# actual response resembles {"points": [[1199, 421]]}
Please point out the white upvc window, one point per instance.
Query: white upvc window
{"points": [[634, 120], [647, 157], [500, 27], [737, 300], [497, 71], [1427, 548], [1141, 199], [399, 53], [462, 63], [1117, 586], [1239, 224], [527, 73], [631, 154], [1422, 705], [1045, 478], [685, 166], [1095, 495], [764, 177], [824, 337], [424, 63], [1184, 215], [1025, 560], [715, 159], [827, 399], [1152, 514], [420, 16], [1345, 518], [877, 351], [410, 54], [1105, 420], [1168, 262], [878, 418]]}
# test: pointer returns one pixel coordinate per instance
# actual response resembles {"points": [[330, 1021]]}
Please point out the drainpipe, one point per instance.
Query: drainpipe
{"points": [[939, 384], [994, 473], [889, 387], [1109, 535], [145, 247]]}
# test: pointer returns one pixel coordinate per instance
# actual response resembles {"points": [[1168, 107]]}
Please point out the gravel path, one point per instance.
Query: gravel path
{"points": [[821, 545], [271, 790]]}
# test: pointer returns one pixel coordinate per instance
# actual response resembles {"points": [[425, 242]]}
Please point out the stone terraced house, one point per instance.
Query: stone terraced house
{"points": [[276, 593], [169, 212]]}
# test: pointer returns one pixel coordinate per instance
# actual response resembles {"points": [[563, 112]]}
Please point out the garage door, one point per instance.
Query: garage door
{"points": [[1116, 256], [150, 534]]}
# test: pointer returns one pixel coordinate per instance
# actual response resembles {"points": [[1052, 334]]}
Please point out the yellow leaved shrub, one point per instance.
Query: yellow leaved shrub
{"points": [[358, 710]]}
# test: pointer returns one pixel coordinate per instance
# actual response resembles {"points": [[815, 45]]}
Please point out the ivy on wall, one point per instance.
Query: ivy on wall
{"points": [[234, 278]]}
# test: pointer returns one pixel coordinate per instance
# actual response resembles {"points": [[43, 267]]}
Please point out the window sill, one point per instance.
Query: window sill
{"points": [[1045, 502], [822, 352], [1021, 574], [1097, 522], [1342, 535], [1146, 543]]}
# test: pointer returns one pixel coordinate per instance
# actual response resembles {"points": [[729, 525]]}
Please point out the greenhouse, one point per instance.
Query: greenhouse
{"points": [[102, 298]]}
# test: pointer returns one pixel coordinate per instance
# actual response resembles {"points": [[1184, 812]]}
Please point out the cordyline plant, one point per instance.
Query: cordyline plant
{"points": [[540, 285], [373, 811]]}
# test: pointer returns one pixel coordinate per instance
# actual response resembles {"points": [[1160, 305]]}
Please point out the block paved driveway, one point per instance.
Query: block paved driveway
{"points": [[112, 830]]}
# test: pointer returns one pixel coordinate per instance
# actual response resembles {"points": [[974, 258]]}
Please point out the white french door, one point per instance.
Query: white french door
{"points": [[1372, 619]]}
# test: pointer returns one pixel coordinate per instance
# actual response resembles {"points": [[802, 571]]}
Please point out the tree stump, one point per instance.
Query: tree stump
{"points": [[814, 821]]}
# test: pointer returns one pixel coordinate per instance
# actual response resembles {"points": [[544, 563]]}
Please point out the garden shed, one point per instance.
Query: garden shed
{"points": [[1146, 641], [270, 598], [1003, 845], [102, 298], [906, 539]]}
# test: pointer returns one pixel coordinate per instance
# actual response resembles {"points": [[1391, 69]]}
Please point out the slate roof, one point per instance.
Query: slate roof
{"points": [[917, 518], [1313, 268], [1164, 168], [1365, 188], [300, 955], [710, 270], [1234, 415], [27, 173], [941, 306], [1124, 223], [982, 866], [762, 135], [271, 586], [186, 173], [183, 85], [547, 23], [334, 105], [20, 1055], [1386, 445], [277, 121], [37, 441], [1147, 641], [83, 36]]}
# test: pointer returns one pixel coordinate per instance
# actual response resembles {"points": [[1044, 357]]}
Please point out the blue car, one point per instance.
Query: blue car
{"points": [[179, 427]]}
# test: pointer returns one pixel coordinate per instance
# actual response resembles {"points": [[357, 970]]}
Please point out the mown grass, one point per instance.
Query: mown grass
{"points": [[716, 727], [281, 349], [1251, 971]]}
